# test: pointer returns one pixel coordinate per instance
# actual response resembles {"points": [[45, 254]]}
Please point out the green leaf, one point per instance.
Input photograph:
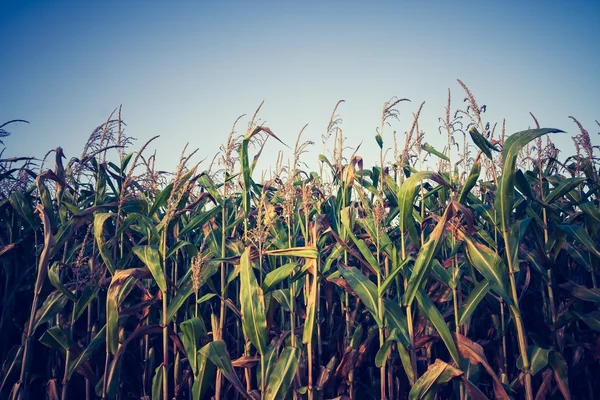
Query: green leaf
{"points": [[309, 322], [305, 252], [561, 373], [157, 381], [592, 320], [199, 220], [437, 320], [406, 197], [431, 150], [56, 338], [120, 280], [252, 305], [185, 287], [438, 373], [364, 288], [565, 186], [193, 331], [54, 277], [277, 276], [579, 233], [590, 210], [397, 320], [490, 265], [282, 296], [538, 359], [470, 182], [204, 377], [161, 199], [282, 375], [392, 276], [480, 141], [505, 195], [87, 353], [22, 206], [50, 308], [582, 292], [99, 220], [207, 183], [424, 258], [365, 251], [384, 351], [192, 250], [379, 141], [470, 305], [151, 258], [217, 353], [88, 295]]}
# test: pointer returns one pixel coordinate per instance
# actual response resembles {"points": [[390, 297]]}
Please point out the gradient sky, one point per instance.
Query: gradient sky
{"points": [[187, 70]]}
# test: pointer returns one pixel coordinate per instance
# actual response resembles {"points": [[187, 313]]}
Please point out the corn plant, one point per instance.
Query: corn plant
{"points": [[391, 281]]}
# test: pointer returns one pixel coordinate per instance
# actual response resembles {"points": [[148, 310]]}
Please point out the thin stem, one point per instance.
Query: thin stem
{"points": [[522, 339]]}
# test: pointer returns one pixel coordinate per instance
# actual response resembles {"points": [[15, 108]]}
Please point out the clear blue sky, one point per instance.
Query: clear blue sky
{"points": [[187, 70]]}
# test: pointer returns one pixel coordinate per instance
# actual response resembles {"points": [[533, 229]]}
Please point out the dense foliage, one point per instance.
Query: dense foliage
{"points": [[390, 281]]}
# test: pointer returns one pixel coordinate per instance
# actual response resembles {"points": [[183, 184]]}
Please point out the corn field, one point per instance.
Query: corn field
{"points": [[393, 281]]}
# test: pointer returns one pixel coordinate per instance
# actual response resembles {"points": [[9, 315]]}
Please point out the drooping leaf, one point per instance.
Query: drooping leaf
{"points": [[252, 305], [311, 309], [470, 182], [364, 288], [157, 381], [204, 376], [305, 252], [470, 305], [564, 187], [580, 235], [23, 207], [186, 288], [53, 305], [436, 318], [480, 141], [406, 197], [217, 353], [99, 220], [282, 375], [424, 258], [151, 259], [113, 301], [192, 333], [561, 373], [437, 374], [277, 276], [490, 265], [54, 277], [505, 195], [87, 353], [431, 150], [475, 354], [538, 359], [392, 276]]}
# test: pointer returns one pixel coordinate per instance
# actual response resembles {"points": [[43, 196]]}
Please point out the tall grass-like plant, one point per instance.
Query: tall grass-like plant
{"points": [[384, 281]]}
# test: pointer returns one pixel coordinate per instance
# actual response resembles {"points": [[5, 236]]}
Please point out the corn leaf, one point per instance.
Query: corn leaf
{"points": [[364, 288], [252, 304], [217, 353], [282, 375], [505, 195], [151, 258], [437, 320], [99, 220], [437, 374], [424, 258]]}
